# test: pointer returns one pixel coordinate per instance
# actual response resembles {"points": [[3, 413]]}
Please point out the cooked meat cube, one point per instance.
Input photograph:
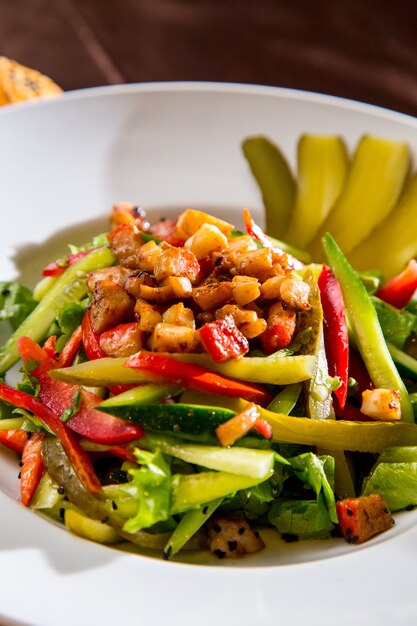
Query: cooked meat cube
{"points": [[223, 340], [243, 244], [147, 256], [172, 338], [213, 295], [253, 329], [110, 306], [205, 241], [180, 316], [127, 213], [281, 325], [382, 404], [147, 315], [362, 518], [156, 294], [257, 263], [181, 286], [122, 340], [232, 538], [240, 316], [126, 242], [246, 289], [134, 282], [295, 293], [117, 274], [190, 221], [176, 262], [271, 288]]}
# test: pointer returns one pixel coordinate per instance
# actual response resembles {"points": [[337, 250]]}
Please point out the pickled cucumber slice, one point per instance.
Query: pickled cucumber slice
{"points": [[323, 164], [374, 184], [275, 181], [397, 235]]}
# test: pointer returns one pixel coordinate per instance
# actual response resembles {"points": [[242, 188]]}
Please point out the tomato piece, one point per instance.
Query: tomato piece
{"points": [[223, 340], [400, 289]]}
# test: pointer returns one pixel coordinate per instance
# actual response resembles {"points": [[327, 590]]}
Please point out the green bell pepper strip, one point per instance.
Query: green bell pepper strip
{"points": [[69, 287], [274, 369], [188, 526], [406, 363], [275, 181], [366, 328], [340, 434], [286, 400]]}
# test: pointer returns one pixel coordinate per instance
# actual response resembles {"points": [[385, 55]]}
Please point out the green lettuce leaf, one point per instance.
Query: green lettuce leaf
{"points": [[394, 476], [397, 325], [303, 518], [16, 302], [151, 488]]}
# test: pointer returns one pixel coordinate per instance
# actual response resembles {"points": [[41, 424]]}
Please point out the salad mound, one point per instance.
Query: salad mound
{"points": [[186, 384]]}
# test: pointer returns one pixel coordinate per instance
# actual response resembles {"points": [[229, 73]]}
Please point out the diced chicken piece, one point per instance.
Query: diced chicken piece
{"points": [[156, 294], [362, 518], [110, 306], [205, 241], [148, 255], [126, 242], [117, 274], [232, 538], [180, 285], [176, 262], [179, 315], [271, 288], [242, 244], [223, 340], [172, 338], [127, 213], [122, 340], [212, 296], [295, 293], [240, 316], [190, 221], [253, 329], [382, 404], [281, 325], [147, 315], [245, 289], [134, 282], [257, 263]]}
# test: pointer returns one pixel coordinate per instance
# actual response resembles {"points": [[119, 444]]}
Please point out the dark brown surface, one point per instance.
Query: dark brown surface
{"points": [[361, 49]]}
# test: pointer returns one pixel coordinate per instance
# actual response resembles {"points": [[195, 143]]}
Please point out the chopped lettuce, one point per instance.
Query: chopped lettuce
{"points": [[318, 473], [303, 518], [16, 303], [70, 316], [397, 325], [151, 488], [394, 476]]}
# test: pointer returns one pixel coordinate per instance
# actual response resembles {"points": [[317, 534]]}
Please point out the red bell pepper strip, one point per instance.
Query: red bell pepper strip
{"points": [[77, 455], [99, 427], [164, 230], [91, 341], [56, 268], [223, 340], [69, 351], [400, 289], [32, 467], [336, 337], [50, 346], [126, 454], [257, 233], [358, 371], [192, 376], [14, 439]]}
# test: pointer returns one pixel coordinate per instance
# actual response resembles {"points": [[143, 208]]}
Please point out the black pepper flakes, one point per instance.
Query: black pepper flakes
{"points": [[19, 475], [205, 510], [28, 434], [354, 539], [20, 463], [219, 553], [61, 491], [349, 512], [216, 528], [348, 531], [232, 545], [105, 519], [113, 505], [241, 530]]}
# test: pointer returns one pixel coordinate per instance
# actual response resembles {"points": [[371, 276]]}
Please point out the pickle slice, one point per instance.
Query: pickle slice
{"points": [[396, 237], [374, 184], [275, 180], [323, 164]]}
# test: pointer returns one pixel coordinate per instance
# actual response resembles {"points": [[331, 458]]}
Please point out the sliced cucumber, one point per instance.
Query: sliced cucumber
{"points": [[146, 394], [188, 526]]}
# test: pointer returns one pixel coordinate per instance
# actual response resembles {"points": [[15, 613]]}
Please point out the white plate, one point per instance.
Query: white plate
{"points": [[164, 146]]}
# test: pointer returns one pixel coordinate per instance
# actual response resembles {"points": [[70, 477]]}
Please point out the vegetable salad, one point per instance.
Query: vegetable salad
{"points": [[186, 384]]}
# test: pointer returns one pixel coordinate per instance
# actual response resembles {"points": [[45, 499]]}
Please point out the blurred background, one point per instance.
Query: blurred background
{"points": [[361, 49]]}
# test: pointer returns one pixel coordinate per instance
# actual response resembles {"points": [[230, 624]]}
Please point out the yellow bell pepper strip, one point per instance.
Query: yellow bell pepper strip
{"points": [[160, 367], [340, 434], [323, 165], [69, 287], [274, 369], [374, 184], [366, 328], [397, 233], [275, 181]]}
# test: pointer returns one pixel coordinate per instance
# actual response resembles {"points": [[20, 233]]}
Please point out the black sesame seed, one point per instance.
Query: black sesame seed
{"points": [[349, 513], [216, 528], [19, 475], [167, 553], [232, 545], [354, 539], [205, 510], [255, 532], [385, 510], [28, 434], [220, 553], [62, 513], [20, 463], [105, 519], [289, 537], [113, 505], [348, 531], [241, 530], [409, 507], [61, 491]]}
